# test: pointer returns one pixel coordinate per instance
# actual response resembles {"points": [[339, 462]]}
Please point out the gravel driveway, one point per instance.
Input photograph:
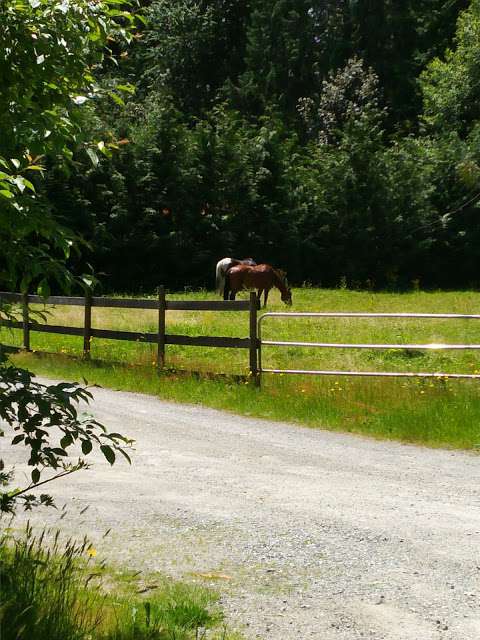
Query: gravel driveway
{"points": [[309, 534]]}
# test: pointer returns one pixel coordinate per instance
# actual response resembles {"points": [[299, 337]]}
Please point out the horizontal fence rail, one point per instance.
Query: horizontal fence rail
{"points": [[131, 303], [351, 345], [135, 336], [161, 338], [334, 345], [342, 314], [373, 374]]}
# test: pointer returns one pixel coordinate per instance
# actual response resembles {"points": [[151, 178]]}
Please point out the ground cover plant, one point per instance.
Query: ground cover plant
{"points": [[436, 412], [55, 589]]}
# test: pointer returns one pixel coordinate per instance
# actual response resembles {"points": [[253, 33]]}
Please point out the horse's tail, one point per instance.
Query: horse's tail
{"points": [[227, 286], [219, 278]]}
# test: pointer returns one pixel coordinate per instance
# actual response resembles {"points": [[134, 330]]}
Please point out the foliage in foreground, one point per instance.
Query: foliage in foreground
{"points": [[49, 50], [52, 591], [46, 420]]}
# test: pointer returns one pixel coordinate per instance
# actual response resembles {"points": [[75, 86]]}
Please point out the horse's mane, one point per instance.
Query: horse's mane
{"points": [[280, 279]]}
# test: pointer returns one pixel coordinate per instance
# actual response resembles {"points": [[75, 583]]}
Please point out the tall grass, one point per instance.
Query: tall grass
{"points": [[49, 591], [44, 595]]}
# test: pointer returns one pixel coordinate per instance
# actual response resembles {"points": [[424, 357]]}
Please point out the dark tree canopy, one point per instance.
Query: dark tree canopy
{"points": [[334, 138]]}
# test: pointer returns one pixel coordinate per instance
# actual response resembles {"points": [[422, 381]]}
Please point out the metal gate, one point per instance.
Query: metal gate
{"points": [[329, 345]]}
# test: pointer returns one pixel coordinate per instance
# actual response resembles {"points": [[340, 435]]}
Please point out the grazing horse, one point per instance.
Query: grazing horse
{"points": [[261, 277], [221, 270]]}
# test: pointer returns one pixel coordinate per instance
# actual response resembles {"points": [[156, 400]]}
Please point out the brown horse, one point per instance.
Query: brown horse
{"points": [[221, 270], [261, 277]]}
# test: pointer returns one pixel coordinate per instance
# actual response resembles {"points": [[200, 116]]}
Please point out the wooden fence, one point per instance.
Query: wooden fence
{"points": [[160, 338]]}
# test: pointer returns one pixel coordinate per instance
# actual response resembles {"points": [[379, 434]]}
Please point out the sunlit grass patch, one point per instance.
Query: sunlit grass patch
{"points": [[433, 412]]}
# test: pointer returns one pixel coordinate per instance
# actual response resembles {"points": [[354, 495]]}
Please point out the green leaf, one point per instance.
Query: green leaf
{"points": [[86, 447], [66, 441], [142, 19], [6, 194], [127, 88], [125, 455], [93, 157], [108, 453], [28, 184], [116, 98], [59, 452]]}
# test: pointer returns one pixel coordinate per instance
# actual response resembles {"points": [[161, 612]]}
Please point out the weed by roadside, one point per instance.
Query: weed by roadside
{"points": [[44, 592], [54, 590]]}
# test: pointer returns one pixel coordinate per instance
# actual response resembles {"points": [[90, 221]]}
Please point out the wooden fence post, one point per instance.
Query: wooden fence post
{"points": [[87, 325], [161, 328], [254, 339], [26, 322]]}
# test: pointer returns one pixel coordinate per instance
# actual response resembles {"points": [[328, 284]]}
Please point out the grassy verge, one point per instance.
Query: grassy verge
{"points": [[55, 592], [435, 413], [432, 412]]}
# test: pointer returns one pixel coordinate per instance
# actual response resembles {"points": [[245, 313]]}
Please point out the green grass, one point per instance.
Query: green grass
{"points": [[432, 412], [54, 591], [40, 593]]}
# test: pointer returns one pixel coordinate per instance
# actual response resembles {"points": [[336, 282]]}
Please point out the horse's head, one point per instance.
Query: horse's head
{"points": [[286, 292], [287, 296]]}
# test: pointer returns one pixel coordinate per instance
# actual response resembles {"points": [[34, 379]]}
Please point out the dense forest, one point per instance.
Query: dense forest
{"points": [[336, 139]]}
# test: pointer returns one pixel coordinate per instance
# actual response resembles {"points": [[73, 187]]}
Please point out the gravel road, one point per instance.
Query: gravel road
{"points": [[309, 534]]}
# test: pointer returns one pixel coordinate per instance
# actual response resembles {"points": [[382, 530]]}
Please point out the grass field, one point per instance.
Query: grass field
{"points": [[434, 412]]}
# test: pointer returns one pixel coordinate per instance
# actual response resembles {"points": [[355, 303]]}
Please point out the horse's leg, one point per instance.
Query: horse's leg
{"points": [[227, 286], [259, 294], [265, 297], [232, 295]]}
